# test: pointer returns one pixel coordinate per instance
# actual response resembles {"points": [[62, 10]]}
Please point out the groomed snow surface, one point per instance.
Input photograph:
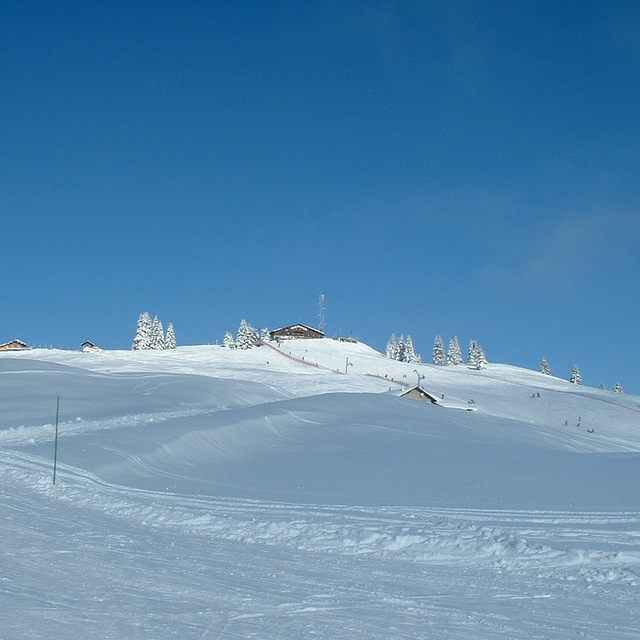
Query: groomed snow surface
{"points": [[288, 492]]}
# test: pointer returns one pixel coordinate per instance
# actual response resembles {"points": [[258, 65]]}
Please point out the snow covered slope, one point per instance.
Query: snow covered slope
{"points": [[288, 491]]}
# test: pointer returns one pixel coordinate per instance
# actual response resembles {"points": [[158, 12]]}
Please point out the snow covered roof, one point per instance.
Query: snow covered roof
{"points": [[419, 394], [296, 331], [14, 345]]}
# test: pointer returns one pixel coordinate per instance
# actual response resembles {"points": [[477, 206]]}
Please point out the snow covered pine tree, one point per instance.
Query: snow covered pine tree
{"points": [[143, 332], [247, 336], [401, 349], [472, 354], [170, 338], [482, 359], [438, 356], [156, 337], [544, 367], [575, 378], [454, 355], [476, 358], [392, 347], [410, 354]]}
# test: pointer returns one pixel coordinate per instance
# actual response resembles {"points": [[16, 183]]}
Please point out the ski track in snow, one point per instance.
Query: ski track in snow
{"points": [[186, 567], [509, 540], [22, 435]]}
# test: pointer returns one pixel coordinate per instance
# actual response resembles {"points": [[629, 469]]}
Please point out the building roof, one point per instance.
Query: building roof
{"points": [[420, 392], [296, 326], [14, 345]]}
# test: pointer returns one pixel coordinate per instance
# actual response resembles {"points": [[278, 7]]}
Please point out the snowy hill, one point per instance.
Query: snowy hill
{"points": [[288, 491]]}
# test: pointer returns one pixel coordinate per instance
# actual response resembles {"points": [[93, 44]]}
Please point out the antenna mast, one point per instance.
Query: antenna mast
{"points": [[321, 321]]}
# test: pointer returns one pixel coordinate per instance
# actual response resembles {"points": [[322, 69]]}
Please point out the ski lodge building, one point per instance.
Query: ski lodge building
{"points": [[14, 345], [295, 331]]}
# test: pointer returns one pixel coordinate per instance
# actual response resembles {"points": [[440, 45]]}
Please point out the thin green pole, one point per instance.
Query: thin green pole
{"points": [[55, 448]]}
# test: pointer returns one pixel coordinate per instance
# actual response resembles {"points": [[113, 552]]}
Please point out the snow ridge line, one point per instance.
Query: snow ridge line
{"points": [[422, 537], [46, 432], [573, 392]]}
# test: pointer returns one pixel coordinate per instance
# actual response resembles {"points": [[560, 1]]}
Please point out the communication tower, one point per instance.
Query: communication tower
{"points": [[321, 310]]}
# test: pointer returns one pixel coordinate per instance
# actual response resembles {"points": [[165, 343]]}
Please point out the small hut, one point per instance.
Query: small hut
{"points": [[418, 393], [14, 345]]}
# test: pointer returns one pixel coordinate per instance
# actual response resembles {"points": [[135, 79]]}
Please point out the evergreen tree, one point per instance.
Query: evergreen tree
{"points": [[264, 335], [544, 367], [228, 341], [402, 349], [388, 352], [143, 332], [481, 359], [439, 356], [617, 387], [454, 355], [409, 352], [392, 347], [255, 336], [170, 338], [575, 378], [156, 337], [247, 336], [473, 355], [602, 387]]}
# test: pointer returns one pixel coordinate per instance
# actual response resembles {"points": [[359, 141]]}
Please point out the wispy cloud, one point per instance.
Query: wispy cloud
{"points": [[574, 247]]}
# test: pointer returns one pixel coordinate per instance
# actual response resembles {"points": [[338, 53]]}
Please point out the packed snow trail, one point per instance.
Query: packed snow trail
{"points": [[302, 361]]}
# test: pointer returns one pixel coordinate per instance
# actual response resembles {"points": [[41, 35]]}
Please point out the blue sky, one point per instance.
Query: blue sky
{"points": [[459, 168]]}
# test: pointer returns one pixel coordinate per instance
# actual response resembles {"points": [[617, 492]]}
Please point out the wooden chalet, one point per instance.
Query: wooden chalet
{"points": [[89, 346], [14, 345], [295, 331], [417, 393]]}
